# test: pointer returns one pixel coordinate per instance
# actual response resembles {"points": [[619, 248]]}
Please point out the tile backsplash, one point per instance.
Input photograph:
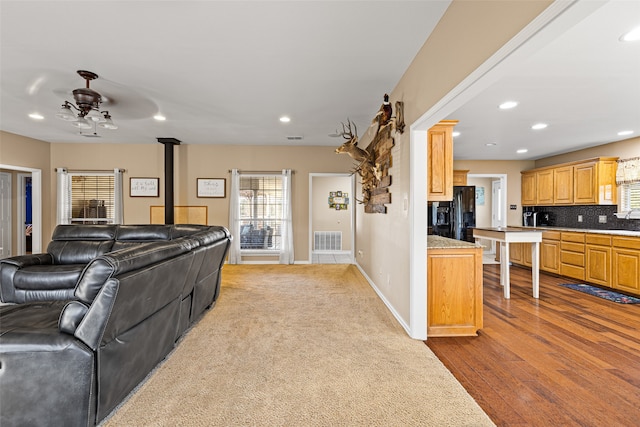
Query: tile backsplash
{"points": [[567, 216]]}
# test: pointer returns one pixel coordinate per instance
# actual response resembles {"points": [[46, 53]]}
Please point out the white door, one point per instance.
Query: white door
{"points": [[497, 219], [496, 204], [5, 215]]}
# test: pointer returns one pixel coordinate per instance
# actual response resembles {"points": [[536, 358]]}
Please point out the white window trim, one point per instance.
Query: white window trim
{"points": [[63, 208]]}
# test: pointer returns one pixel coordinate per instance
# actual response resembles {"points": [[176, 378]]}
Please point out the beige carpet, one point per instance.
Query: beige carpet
{"points": [[301, 345]]}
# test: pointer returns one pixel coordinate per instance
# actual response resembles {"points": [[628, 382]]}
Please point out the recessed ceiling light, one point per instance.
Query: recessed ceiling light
{"points": [[285, 119], [631, 36], [539, 126], [456, 134], [625, 132], [490, 144], [160, 117], [522, 151], [507, 105], [36, 116]]}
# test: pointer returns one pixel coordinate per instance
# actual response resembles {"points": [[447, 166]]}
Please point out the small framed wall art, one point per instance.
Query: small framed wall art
{"points": [[144, 187], [211, 187]]}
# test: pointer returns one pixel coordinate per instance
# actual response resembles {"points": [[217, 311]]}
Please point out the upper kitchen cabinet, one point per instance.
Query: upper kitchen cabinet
{"points": [[587, 182], [440, 161]]}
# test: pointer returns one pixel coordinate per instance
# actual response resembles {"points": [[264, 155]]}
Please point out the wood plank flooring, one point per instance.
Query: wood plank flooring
{"points": [[566, 359]]}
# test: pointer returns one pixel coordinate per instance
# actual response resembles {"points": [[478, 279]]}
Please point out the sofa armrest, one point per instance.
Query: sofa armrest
{"points": [[22, 261], [9, 267]]}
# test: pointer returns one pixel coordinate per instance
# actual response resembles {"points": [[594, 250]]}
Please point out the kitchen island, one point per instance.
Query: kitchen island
{"points": [[454, 287], [506, 235]]}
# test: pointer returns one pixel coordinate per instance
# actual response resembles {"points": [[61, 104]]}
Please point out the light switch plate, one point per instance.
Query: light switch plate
{"points": [[602, 219]]}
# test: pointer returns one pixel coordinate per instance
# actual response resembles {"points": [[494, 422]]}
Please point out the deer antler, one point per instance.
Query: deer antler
{"points": [[347, 133]]}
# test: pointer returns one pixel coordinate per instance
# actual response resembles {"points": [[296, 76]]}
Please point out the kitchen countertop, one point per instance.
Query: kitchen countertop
{"points": [[439, 242], [631, 233]]}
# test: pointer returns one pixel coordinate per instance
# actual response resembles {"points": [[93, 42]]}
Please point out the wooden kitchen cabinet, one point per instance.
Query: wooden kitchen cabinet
{"points": [[460, 177], [598, 259], [454, 291], [572, 258], [563, 185], [550, 252], [585, 182], [440, 161], [529, 194], [544, 187], [625, 263]]}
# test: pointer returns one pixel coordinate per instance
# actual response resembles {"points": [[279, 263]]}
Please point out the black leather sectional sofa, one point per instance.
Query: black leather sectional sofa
{"points": [[96, 313]]}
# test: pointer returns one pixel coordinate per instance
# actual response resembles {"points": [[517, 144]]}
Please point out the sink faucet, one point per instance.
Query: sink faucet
{"points": [[628, 215]]}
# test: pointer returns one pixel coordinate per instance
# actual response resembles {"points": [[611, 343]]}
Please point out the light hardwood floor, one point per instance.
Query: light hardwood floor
{"points": [[567, 359]]}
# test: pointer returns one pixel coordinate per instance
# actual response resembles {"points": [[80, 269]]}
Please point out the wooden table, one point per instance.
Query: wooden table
{"points": [[506, 235]]}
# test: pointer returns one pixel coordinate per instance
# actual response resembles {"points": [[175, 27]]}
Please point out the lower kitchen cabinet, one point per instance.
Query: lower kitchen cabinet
{"points": [[550, 252], [572, 258], [625, 262], [598, 262], [454, 291]]}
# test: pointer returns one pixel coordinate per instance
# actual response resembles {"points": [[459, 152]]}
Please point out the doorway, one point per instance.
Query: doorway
{"points": [[18, 223], [5, 215], [491, 207], [331, 218]]}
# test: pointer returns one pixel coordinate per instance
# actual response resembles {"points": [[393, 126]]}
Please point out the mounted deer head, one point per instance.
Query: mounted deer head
{"points": [[351, 145]]}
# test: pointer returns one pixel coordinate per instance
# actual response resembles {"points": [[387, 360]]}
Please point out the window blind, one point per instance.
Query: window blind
{"points": [[630, 196], [89, 197]]}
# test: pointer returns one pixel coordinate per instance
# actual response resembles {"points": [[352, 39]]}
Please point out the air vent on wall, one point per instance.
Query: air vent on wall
{"points": [[294, 138]]}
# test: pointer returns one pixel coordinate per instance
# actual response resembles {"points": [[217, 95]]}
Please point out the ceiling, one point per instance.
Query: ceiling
{"points": [[223, 72]]}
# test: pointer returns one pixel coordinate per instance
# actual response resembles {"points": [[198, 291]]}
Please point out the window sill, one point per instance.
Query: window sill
{"points": [[623, 215]]}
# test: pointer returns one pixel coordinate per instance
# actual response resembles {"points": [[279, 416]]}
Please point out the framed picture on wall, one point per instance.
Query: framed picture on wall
{"points": [[211, 187], [144, 187]]}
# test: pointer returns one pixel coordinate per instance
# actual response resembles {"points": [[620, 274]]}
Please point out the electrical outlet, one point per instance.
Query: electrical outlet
{"points": [[579, 218], [602, 219]]}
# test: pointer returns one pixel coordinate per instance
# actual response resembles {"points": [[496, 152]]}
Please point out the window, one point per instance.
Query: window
{"points": [[261, 212], [260, 215], [89, 197], [628, 178], [630, 196]]}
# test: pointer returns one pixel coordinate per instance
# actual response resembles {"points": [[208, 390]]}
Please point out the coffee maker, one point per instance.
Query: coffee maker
{"points": [[530, 219]]}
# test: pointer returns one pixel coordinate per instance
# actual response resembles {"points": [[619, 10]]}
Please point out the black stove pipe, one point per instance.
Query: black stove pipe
{"points": [[168, 143]]}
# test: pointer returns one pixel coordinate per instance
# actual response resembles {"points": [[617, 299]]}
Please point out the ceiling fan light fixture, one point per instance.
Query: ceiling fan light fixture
{"points": [[66, 113], [94, 115], [107, 123], [87, 106], [82, 123]]}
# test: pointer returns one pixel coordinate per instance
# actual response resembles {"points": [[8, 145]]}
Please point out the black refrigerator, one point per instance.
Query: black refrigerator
{"points": [[455, 219]]}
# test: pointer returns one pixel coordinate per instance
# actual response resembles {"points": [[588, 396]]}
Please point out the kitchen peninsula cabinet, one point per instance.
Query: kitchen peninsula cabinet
{"points": [[440, 161], [454, 287]]}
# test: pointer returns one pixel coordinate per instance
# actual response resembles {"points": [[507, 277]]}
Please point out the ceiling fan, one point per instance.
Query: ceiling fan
{"points": [[86, 110]]}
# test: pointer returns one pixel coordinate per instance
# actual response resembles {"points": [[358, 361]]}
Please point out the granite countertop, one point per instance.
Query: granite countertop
{"points": [[631, 233], [439, 242]]}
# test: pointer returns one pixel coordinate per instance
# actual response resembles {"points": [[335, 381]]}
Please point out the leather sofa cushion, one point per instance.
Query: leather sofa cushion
{"points": [[40, 277], [103, 267], [84, 232], [71, 244], [134, 235], [77, 252]]}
